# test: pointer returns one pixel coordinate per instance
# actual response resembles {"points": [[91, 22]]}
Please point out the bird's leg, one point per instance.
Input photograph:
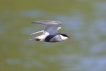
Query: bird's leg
{"points": [[37, 32]]}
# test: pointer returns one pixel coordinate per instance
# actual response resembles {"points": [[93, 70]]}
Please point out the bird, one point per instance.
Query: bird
{"points": [[50, 33]]}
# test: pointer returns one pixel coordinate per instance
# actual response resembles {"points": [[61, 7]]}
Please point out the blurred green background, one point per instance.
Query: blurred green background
{"points": [[83, 20]]}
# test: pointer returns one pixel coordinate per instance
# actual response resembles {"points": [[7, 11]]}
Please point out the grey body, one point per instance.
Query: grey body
{"points": [[56, 38]]}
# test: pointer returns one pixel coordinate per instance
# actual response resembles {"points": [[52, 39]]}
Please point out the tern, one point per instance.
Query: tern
{"points": [[50, 33]]}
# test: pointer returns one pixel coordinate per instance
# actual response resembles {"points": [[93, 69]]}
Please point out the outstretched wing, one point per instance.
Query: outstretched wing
{"points": [[52, 26], [47, 22], [43, 31], [51, 29]]}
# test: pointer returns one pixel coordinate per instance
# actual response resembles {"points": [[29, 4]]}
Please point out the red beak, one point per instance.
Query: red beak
{"points": [[69, 37]]}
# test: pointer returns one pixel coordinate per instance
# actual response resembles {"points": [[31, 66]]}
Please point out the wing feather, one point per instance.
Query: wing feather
{"points": [[52, 26], [51, 30], [47, 22]]}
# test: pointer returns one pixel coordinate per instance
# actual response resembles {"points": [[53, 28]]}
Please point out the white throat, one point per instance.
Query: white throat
{"points": [[63, 37]]}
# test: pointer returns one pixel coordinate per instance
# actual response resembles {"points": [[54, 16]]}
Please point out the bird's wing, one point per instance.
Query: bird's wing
{"points": [[52, 26], [51, 29], [43, 31], [47, 22]]}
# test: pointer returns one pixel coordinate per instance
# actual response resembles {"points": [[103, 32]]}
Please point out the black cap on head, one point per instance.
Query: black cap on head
{"points": [[63, 35]]}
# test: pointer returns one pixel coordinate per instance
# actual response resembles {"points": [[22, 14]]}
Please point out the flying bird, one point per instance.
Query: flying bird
{"points": [[50, 33]]}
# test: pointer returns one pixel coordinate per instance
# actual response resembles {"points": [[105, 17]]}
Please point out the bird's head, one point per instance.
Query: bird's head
{"points": [[64, 36]]}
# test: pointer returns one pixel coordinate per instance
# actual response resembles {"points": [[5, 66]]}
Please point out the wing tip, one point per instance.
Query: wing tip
{"points": [[47, 21]]}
